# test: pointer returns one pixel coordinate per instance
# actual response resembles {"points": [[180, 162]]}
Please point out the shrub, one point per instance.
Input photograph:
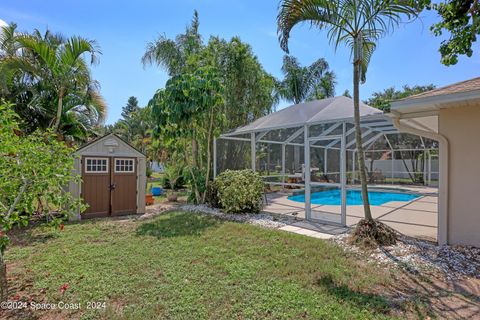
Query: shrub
{"points": [[173, 174], [240, 191]]}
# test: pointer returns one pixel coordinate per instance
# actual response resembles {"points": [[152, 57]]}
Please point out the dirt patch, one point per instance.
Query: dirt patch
{"points": [[429, 280]]}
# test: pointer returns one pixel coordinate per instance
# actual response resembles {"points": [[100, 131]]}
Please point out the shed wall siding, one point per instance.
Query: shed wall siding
{"points": [[460, 126], [141, 185]]}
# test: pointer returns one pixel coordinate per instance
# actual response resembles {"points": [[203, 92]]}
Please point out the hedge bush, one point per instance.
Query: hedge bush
{"points": [[240, 191]]}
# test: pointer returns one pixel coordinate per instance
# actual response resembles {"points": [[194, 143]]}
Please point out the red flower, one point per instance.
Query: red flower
{"points": [[64, 288], [61, 227]]}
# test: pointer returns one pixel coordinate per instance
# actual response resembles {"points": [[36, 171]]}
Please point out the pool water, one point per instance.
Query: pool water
{"points": [[354, 197]]}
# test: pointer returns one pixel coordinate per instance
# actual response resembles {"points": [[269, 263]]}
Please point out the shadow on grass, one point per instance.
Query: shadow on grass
{"points": [[177, 225], [372, 302], [25, 237]]}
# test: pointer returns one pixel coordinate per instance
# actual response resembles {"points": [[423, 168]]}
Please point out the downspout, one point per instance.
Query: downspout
{"points": [[442, 233]]}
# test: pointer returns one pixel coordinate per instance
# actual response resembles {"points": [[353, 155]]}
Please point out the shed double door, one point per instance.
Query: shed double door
{"points": [[109, 186]]}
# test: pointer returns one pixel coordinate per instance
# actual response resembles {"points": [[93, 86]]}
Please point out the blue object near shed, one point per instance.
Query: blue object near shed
{"points": [[156, 191]]}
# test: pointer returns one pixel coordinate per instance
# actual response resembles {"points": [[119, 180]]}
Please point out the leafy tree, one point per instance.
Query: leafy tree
{"points": [[460, 19], [357, 24], [382, 99], [249, 91], [186, 111], [34, 169], [48, 79], [306, 83], [130, 108]]}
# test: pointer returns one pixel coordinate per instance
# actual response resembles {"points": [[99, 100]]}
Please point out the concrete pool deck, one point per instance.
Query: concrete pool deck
{"points": [[416, 218]]}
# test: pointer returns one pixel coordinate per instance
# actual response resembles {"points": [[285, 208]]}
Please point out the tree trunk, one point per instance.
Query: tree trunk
{"points": [[3, 279], [194, 150], [358, 130], [59, 110], [209, 156]]}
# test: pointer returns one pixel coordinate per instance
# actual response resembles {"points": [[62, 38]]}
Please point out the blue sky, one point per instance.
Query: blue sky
{"points": [[122, 28]]}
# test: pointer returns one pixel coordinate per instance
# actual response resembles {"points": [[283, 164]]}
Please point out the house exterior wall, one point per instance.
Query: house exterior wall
{"points": [[111, 146], [460, 126]]}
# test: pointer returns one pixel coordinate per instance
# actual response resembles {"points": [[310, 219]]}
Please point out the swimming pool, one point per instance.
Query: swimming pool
{"points": [[354, 197]]}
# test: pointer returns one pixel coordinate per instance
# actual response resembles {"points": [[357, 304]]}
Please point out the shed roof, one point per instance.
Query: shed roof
{"points": [[105, 137], [336, 108]]}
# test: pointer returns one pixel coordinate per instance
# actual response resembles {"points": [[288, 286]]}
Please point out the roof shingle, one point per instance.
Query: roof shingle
{"points": [[463, 86]]}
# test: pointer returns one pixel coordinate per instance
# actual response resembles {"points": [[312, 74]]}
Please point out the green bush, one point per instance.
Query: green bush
{"points": [[165, 182], [240, 191]]}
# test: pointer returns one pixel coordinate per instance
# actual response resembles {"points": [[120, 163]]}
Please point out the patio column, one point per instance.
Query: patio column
{"points": [[343, 176], [325, 157], [253, 150], [354, 173], [429, 168], [306, 149], [424, 168], [283, 166], [392, 174]]}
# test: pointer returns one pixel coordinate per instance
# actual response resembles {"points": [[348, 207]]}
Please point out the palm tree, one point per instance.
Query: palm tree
{"points": [[83, 112], [306, 83], [58, 66], [173, 55], [359, 24]]}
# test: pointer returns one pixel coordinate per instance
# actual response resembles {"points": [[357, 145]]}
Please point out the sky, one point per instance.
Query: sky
{"points": [[123, 29]]}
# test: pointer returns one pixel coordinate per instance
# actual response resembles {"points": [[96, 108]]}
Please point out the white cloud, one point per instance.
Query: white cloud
{"points": [[3, 23]]}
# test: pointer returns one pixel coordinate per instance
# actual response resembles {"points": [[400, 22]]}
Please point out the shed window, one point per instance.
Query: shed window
{"points": [[96, 165], [124, 165]]}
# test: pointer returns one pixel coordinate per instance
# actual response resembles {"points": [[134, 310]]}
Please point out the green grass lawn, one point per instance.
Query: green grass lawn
{"points": [[186, 266]]}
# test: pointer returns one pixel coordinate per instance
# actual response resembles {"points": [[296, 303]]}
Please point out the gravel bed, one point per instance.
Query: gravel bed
{"points": [[453, 262], [260, 219]]}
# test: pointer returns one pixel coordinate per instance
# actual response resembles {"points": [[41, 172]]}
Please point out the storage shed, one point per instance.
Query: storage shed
{"points": [[113, 178]]}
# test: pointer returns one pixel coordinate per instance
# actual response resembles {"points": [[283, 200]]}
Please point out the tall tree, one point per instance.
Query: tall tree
{"points": [[382, 99], [48, 79], [59, 63], [359, 24], [302, 83], [248, 89], [459, 18], [130, 108], [248, 92], [187, 111], [175, 55]]}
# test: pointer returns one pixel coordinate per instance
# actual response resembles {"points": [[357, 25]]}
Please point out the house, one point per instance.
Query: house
{"points": [[113, 178], [450, 115]]}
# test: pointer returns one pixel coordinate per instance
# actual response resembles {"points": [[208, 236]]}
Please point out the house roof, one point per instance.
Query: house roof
{"points": [[459, 87], [421, 110], [317, 111]]}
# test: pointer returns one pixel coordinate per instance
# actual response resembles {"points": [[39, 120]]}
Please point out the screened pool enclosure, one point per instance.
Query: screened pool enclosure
{"points": [[310, 147]]}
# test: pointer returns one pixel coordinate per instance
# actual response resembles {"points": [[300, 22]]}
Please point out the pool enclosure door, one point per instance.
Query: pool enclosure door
{"points": [[325, 179]]}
